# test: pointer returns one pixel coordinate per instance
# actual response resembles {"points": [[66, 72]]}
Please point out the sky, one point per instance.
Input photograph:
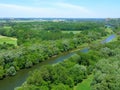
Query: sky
{"points": [[60, 8]]}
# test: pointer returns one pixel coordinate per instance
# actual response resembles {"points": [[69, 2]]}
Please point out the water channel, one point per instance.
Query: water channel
{"points": [[9, 83]]}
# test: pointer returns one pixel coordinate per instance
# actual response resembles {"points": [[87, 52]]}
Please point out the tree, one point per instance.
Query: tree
{"points": [[107, 74], [78, 73], [61, 86], [28, 64], [1, 72], [11, 71]]}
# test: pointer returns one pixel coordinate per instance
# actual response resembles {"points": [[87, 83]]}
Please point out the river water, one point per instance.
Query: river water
{"points": [[110, 38], [10, 83]]}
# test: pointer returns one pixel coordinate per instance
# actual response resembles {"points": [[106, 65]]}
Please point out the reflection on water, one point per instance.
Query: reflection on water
{"points": [[9, 83], [110, 38], [84, 50]]}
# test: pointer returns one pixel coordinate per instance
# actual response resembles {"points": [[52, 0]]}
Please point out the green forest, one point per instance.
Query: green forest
{"points": [[94, 65]]}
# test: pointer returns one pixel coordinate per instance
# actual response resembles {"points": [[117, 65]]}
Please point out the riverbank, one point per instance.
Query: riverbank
{"points": [[85, 84], [75, 58], [21, 75], [94, 42]]}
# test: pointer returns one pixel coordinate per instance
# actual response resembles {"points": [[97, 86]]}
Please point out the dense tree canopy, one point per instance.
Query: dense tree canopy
{"points": [[39, 41]]}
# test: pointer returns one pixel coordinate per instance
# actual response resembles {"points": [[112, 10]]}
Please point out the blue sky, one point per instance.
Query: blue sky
{"points": [[60, 8]]}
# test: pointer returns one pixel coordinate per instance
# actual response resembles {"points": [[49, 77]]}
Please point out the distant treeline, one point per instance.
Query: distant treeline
{"points": [[27, 31]]}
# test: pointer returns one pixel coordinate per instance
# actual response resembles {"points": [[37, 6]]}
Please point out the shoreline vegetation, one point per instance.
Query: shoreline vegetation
{"points": [[79, 47], [84, 83], [36, 42]]}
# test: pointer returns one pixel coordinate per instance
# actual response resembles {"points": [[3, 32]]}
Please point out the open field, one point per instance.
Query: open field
{"points": [[75, 32], [85, 85], [109, 30], [9, 40]]}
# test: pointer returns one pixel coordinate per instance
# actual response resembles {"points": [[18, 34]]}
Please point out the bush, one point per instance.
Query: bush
{"points": [[1, 72], [61, 86], [11, 71]]}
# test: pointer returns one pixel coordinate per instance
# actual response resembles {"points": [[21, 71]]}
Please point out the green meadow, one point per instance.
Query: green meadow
{"points": [[75, 32], [9, 40], [85, 85]]}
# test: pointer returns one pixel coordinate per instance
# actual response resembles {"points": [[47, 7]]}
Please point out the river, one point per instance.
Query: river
{"points": [[110, 38], [9, 83]]}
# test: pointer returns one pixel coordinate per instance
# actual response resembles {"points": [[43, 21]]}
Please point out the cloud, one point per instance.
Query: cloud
{"points": [[75, 10], [11, 10], [56, 10], [73, 7]]}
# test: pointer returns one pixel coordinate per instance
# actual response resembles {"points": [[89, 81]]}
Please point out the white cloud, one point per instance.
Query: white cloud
{"points": [[73, 7], [75, 10], [57, 10], [9, 10]]}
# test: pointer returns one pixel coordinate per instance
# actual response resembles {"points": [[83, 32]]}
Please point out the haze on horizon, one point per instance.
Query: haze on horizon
{"points": [[60, 8]]}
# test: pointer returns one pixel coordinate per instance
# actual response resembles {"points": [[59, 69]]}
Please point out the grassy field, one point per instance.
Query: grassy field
{"points": [[75, 32], [85, 85], [109, 30], [9, 40]]}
